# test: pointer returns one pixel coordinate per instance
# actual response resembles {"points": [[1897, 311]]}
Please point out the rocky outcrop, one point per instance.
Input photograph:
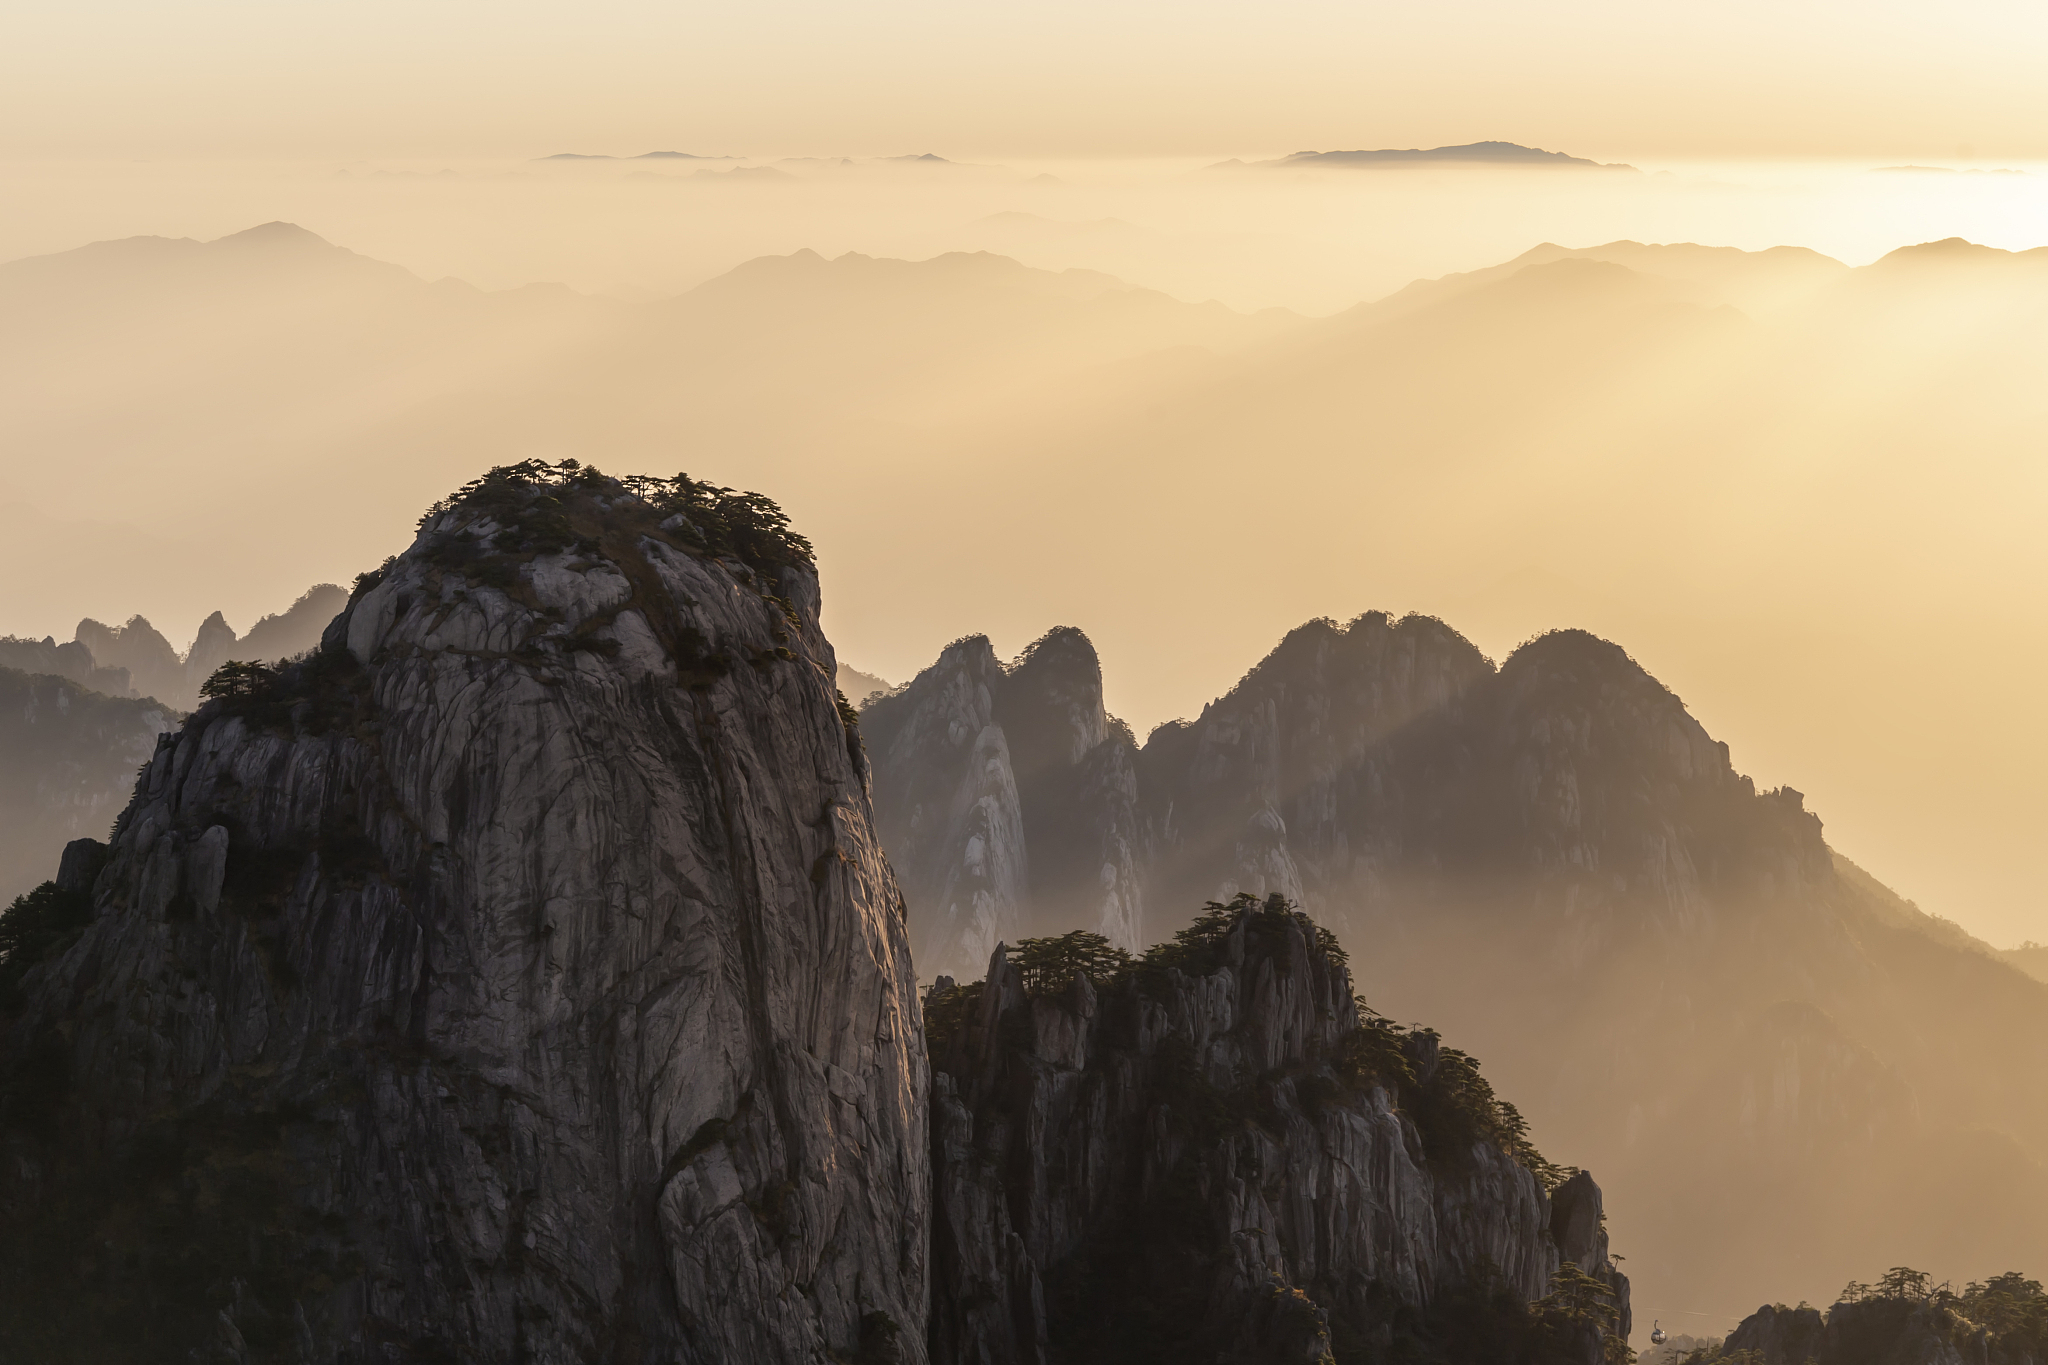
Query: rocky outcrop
{"points": [[1210, 1156], [519, 978], [71, 755], [1779, 1335], [1578, 1229], [1007, 797]]}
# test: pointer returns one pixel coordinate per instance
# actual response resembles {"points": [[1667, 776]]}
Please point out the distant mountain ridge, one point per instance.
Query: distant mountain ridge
{"points": [[1464, 154], [76, 718], [157, 670], [70, 760], [1522, 423], [1751, 280], [112, 270]]}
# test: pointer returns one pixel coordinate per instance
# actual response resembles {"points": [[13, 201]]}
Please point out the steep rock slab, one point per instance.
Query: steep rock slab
{"points": [[517, 979]]}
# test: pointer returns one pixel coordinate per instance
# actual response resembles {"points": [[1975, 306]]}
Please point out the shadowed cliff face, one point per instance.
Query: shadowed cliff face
{"points": [[977, 763], [519, 978], [1209, 1156]]}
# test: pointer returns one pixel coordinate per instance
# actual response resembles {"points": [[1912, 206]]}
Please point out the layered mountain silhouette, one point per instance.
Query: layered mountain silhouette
{"points": [[157, 670], [78, 717], [1782, 1070], [857, 686], [519, 975], [291, 368], [1702, 451], [70, 758], [1756, 282]]}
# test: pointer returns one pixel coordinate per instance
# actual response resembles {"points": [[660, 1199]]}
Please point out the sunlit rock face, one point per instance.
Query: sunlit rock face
{"points": [[1192, 1163], [518, 979], [1007, 797]]}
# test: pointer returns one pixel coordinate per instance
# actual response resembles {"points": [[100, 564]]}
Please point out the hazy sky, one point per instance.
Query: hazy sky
{"points": [[146, 78]]}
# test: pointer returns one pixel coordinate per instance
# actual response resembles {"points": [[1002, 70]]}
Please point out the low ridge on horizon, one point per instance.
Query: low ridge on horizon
{"points": [[1465, 154], [639, 156]]}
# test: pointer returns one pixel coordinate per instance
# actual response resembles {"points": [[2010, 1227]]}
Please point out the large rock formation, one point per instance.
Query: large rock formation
{"points": [[975, 762], [1554, 861], [1211, 1155], [517, 979]]}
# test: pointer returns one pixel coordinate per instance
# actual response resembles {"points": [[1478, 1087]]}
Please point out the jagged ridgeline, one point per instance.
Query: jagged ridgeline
{"points": [[518, 976], [514, 977], [1215, 1152]]}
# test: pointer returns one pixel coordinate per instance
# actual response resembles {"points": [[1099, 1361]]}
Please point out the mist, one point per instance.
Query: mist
{"points": [[1765, 472]]}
